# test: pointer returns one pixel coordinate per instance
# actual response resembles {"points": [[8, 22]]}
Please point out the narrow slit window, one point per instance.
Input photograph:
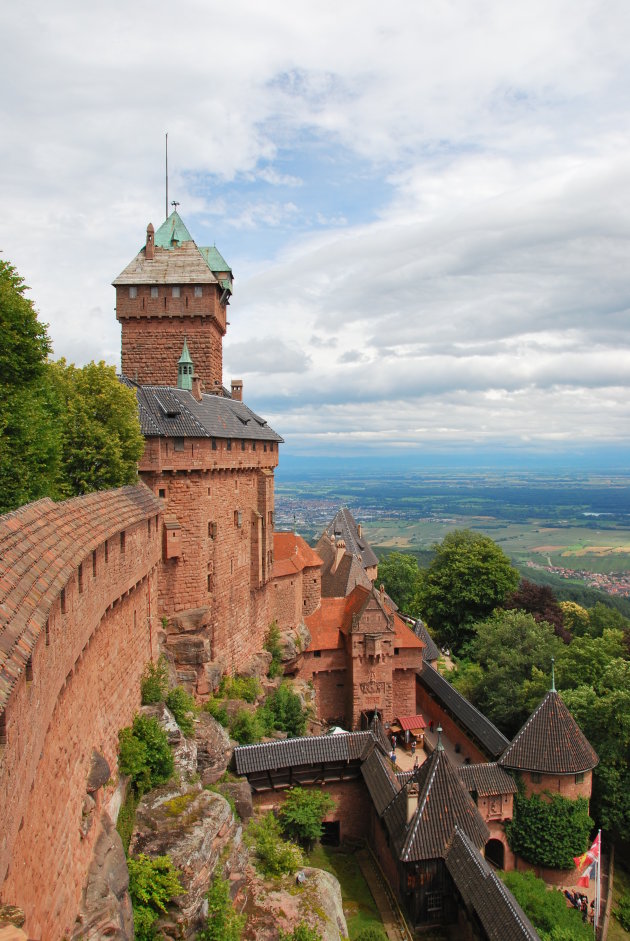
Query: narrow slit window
{"points": [[3, 729], [122, 542], [94, 564], [80, 574], [29, 670], [48, 632], [63, 600]]}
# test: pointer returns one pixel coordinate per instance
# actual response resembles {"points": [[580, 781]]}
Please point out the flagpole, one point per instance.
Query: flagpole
{"points": [[597, 884]]}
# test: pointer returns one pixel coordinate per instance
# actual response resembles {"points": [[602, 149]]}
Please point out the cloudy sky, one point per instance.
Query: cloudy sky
{"points": [[426, 205]]}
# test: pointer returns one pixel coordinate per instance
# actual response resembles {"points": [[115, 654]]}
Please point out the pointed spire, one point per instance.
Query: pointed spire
{"points": [[439, 746], [553, 675], [185, 369]]}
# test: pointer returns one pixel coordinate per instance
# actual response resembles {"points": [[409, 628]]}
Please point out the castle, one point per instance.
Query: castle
{"points": [[189, 560]]}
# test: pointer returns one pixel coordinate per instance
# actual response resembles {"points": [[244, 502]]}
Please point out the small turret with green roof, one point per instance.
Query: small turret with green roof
{"points": [[185, 369]]}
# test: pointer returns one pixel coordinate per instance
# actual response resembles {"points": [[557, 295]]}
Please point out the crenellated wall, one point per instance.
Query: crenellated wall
{"points": [[74, 647]]}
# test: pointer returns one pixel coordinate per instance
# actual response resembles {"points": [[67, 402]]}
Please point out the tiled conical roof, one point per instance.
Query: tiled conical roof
{"points": [[550, 742], [443, 804]]}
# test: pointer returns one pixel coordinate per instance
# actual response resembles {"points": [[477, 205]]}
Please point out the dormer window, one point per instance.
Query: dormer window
{"points": [[176, 291], [198, 290], [133, 292]]}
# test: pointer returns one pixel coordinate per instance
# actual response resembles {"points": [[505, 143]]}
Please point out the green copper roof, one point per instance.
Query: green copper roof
{"points": [[172, 233], [216, 261], [185, 357]]}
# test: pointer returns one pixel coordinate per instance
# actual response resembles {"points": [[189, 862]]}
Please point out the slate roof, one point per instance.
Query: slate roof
{"points": [[309, 750], [430, 652], [41, 546], [483, 892], [169, 412], [348, 574], [378, 780], [177, 260], [470, 718], [291, 555], [488, 780], [443, 804], [344, 526], [550, 742]]}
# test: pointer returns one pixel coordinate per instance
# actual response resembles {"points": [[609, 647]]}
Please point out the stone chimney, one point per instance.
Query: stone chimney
{"points": [[237, 390], [196, 387], [340, 549], [359, 530], [150, 242], [413, 792]]}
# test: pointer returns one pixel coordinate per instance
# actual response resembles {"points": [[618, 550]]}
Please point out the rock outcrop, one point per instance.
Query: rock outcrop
{"points": [[214, 749], [106, 906], [284, 903]]}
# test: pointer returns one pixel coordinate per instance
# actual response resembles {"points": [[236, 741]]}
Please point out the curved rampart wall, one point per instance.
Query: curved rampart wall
{"points": [[78, 591]]}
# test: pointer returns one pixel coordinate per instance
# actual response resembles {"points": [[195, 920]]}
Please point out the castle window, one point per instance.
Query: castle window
{"points": [[396, 651], [154, 292], [536, 777], [317, 653], [178, 444], [63, 600], [253, 445], [133, 292], [80, 577], [271, 445], [3, 729], [238, 518], [122, 542], [242, 444], [210, 582], [198, 290], [176, 291], [29, 670], [214, 444], [94, 564], [149, 526], [265, 446], [162, 493], [212, 530], [106, 551], [229, 444], [48, 632], [579, 777]]}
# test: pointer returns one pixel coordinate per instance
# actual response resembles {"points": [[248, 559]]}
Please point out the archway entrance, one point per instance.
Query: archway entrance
{"points": [[495, 853]]}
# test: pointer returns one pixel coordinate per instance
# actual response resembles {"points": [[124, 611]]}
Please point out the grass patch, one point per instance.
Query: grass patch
{"points": [[127, 817], [177, 805], [621, 886], [358, 905]]}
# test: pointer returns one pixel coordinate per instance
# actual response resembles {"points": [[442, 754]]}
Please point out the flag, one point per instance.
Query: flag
{"points": [[586, 876], [591, 856]]}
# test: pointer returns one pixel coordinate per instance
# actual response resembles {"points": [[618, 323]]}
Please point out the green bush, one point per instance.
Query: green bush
{"points": [[285, 711], [240, 687], [144, 753], [272, 645], [274, 856], [302, 813], [223, 924], [127, 817], [217, 711], [184, 708], [301, 932], [154, 682], [549, 831], [153, 882], [247, 727]]}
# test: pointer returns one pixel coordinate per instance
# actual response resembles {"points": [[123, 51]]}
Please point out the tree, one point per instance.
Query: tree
{"points": [[153, 882], [29, 455], [469, 577], [540, 602], [400, 574], [222, 924], [574, 617], [302, 813], [284, 711], [509, 668], [101, 441]]}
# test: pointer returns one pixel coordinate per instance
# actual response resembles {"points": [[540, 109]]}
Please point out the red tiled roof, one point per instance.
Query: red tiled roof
{"points": [[291, 554], [324, 623], [41, 544], [411, 723]]}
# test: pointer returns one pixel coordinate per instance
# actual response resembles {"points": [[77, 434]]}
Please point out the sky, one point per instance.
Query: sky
{"points": [[426, 206]]}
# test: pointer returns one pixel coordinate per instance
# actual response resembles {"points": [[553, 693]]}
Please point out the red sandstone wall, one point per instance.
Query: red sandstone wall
{"points": [[85, 687], [311, 590], [153, 332], [223, 500], [563, 784], [404, 692], [382, 851], [287, 600], [432, 711]]}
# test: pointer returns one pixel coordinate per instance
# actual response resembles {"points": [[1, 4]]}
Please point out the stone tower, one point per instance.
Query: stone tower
{"points": [[173, 291]]}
